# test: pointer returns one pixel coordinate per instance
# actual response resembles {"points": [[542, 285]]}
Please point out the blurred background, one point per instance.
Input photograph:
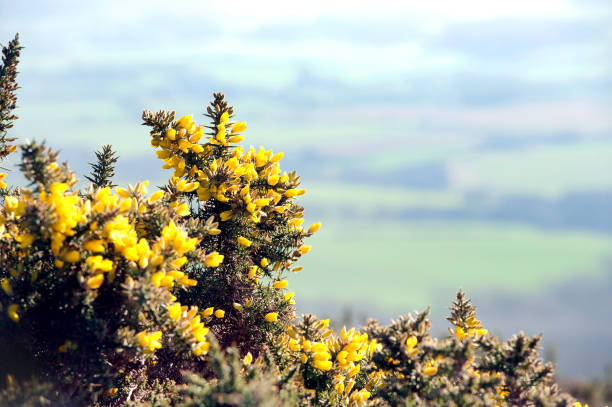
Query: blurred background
{"points": [[443, 144]]}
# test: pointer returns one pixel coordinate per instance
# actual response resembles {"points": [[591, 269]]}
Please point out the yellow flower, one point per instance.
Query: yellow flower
{"points": [[175, 311], [224, 118], [244, 241], [219, 313], [6, 286], [248, 358], [430, 368], [460, 333], [149, 341], [289, 296], [2, 176], [214, 259], [323, 364], [72, 256], [264, 262], [280, 284], [156, 196], [97, 263], [273, 180], [305, 249], [95, 281], [13, 206], [271, 316], [184, 121], [12, 312], [314, 227], [276, 157], [238, 127], [25, 239], [183, 210], [354, 371], [208, 311], [95, 246]]}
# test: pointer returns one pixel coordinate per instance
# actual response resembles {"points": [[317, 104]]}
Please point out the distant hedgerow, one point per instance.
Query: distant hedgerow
{"points": [[179, 297]]}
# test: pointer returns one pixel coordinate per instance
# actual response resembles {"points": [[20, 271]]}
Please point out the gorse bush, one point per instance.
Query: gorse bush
{"points": [[180, 297]]}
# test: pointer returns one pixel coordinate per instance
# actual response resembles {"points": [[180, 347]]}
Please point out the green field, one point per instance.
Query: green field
{"points": [[544, 170], [371, 200], [405, 265]]}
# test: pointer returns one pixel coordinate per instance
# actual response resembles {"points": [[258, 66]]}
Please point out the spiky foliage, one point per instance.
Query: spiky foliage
{"points": [[8, 98], [103, 170], [238, 382]]}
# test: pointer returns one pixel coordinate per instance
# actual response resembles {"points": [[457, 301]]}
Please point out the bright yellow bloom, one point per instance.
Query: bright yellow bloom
{"points": [[224, 118], [183, 210], [264, 262], [305, 249], [97, 263], [13, 206], [238, 127], [175, 311], [411, 342], [184, 121], [219, 313], [2, 176], [314, 227], [214, 259], [156, 196], [460, 333], [430, 368], [280, 284], [276, 157], [95, 281], [149, 341], [208, 311], [244, 241], [271, 316], [95, 246], [248, 358], [324, 365]]}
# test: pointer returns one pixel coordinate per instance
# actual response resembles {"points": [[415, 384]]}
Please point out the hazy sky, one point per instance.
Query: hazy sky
{"points": [[448, 67]]}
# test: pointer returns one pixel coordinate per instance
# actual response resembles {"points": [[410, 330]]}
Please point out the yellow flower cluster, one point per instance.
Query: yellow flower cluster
{"points": [[68, 211], [190, 327], [7, 150], [225, 178], [110, 233], [474, 329], [149, 341], [340, 354], [249, 183], [2, 176]]}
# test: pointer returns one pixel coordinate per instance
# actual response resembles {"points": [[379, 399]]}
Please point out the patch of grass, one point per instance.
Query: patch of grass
{"points": [[368, 199], [543, 170], [405, 265]]}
